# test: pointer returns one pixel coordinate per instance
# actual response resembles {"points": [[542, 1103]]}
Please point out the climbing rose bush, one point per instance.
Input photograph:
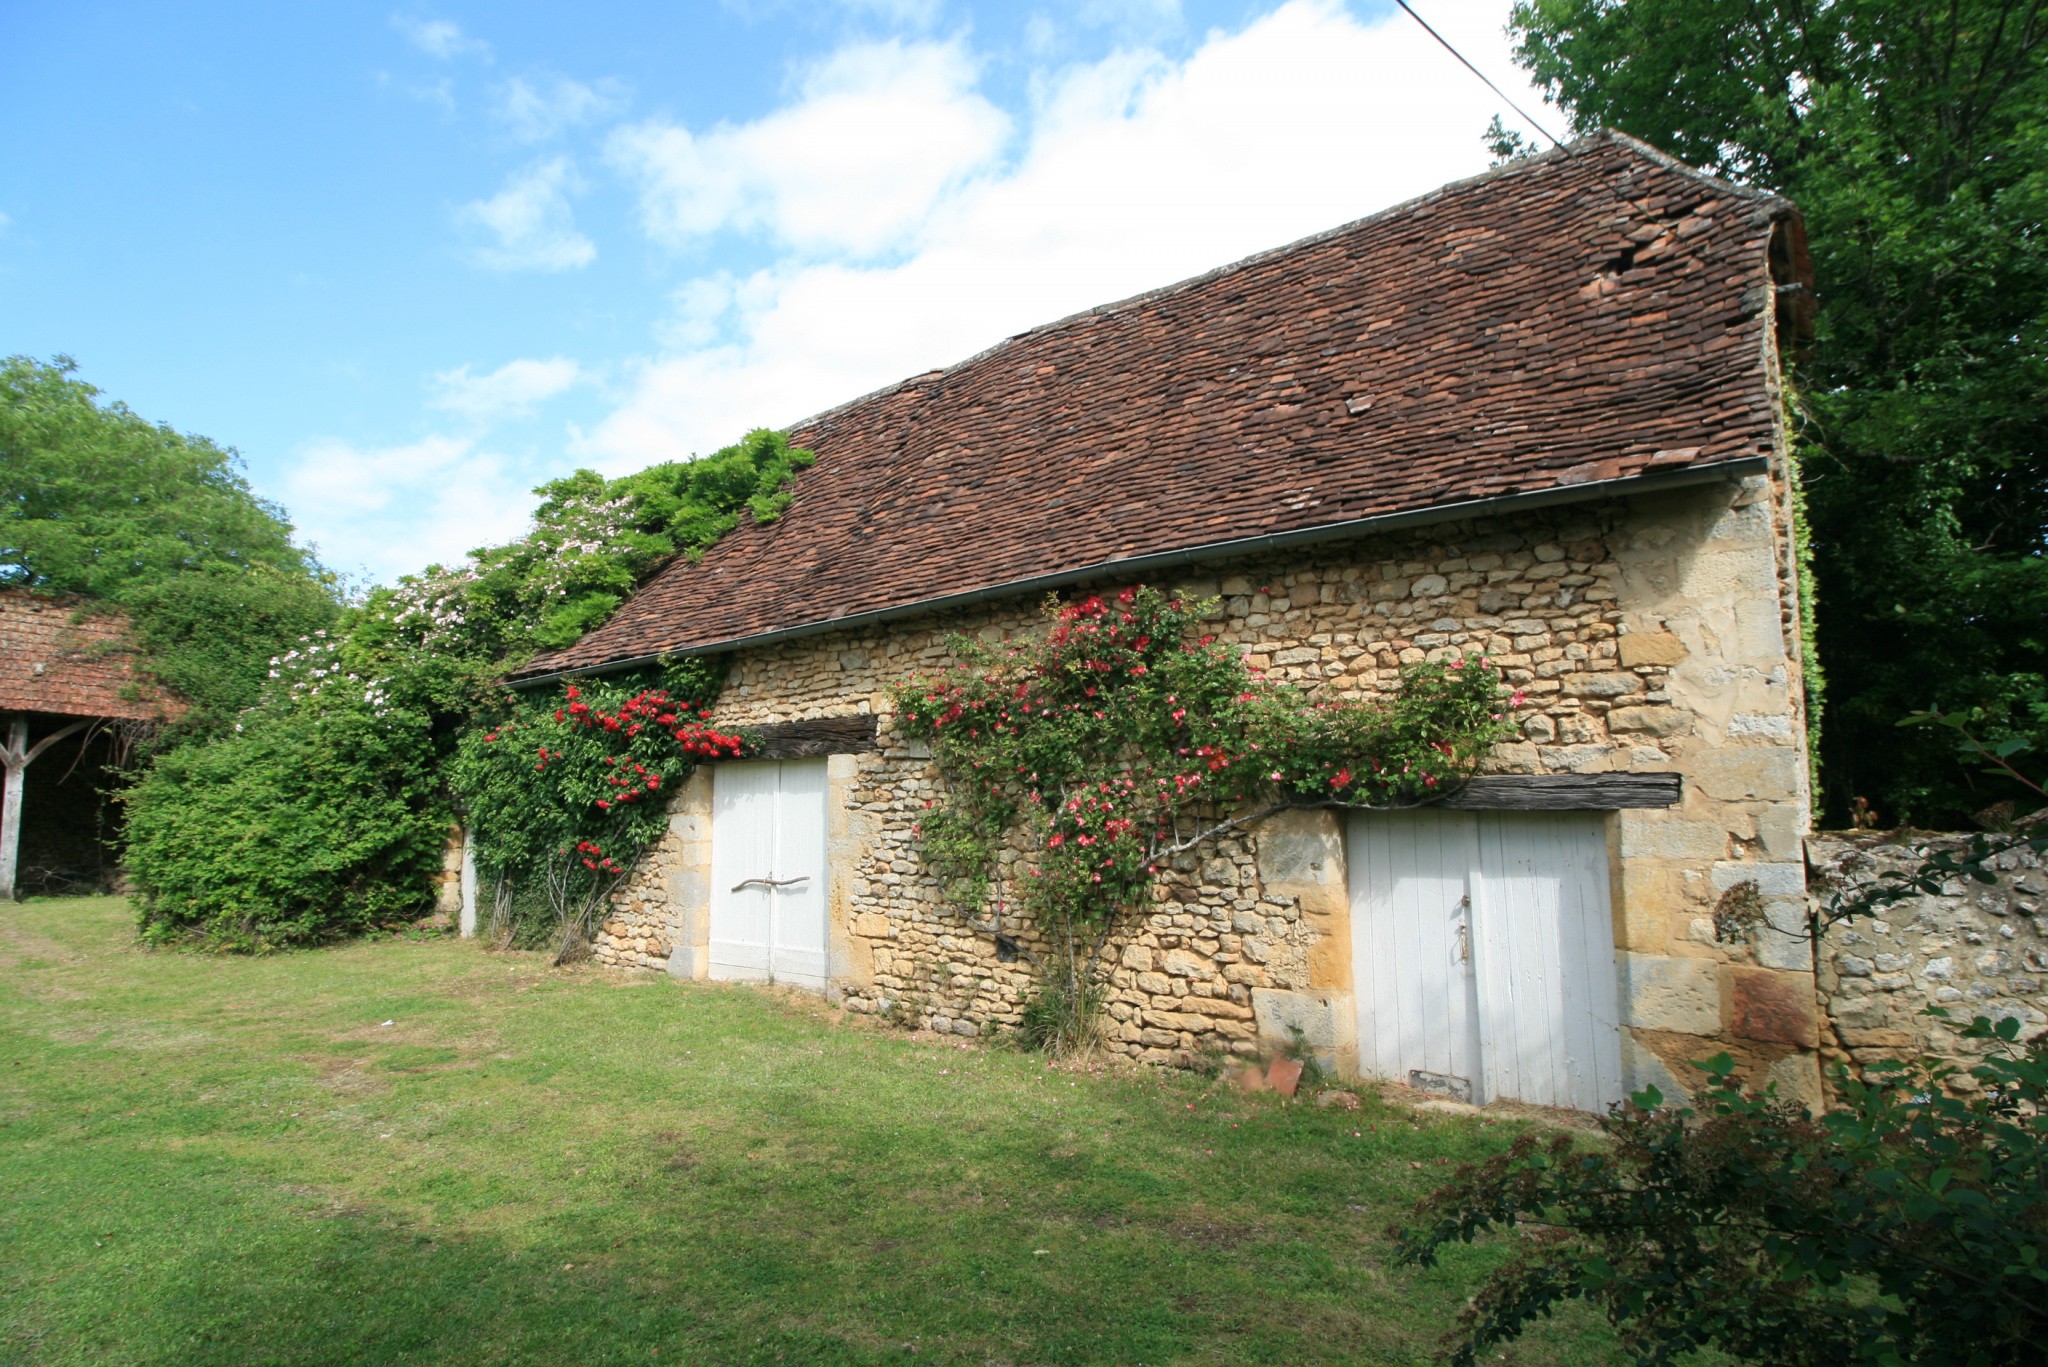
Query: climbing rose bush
{"points": [[1125, 736], [564, 792]]}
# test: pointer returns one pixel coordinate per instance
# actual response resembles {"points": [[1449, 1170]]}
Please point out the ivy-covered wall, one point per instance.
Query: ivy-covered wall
{"points": [[1647, 634]]}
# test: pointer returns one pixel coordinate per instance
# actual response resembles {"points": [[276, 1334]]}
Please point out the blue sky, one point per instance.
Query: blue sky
{"points": [[412, 261]]}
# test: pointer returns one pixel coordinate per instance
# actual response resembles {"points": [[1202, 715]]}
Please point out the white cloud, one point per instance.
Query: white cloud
{"points": [[879, 133], [905, 13], [513, 390], [530, 221], [1135, 171], [396, 509], [440, 38], [536, 112]]}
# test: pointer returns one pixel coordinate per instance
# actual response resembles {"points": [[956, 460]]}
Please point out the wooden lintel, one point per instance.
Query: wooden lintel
{"points": [[1565, 792], [808, 739]]}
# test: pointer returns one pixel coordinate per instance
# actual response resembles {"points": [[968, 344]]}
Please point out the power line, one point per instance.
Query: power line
{"points": [[1477, 72]]}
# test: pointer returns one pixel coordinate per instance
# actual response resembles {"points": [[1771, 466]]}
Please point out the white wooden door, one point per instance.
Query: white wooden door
{"points": [[1483, 955], [1412, 949], [1549, 999], [797, 949], [768, 872]]}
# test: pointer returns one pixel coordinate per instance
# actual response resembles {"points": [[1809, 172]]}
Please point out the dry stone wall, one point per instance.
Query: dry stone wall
{"points": [[1974, 949], [1647, 634]]}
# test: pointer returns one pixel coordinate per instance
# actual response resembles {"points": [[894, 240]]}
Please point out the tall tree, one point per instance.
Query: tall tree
{"points": [[1913, 134], [95, 500]]}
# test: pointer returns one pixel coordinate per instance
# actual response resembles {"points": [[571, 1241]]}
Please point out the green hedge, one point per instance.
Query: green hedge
{"points": [[305, 826]]}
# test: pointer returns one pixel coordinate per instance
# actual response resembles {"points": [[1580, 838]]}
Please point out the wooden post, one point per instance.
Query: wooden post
{"points": [[15, 757]]}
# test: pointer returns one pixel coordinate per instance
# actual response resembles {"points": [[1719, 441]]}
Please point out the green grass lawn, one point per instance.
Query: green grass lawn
{"points": [[423, 1151]]}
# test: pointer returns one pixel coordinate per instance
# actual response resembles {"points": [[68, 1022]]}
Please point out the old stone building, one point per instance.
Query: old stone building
{"points": [[1535, 415]]}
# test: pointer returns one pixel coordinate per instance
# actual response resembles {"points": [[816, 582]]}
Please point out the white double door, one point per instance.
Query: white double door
{"points": [[768, 872], [1483, 955]]}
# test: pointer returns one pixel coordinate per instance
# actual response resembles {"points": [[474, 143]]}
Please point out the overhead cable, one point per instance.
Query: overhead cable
{"points": [[1477, 72]]}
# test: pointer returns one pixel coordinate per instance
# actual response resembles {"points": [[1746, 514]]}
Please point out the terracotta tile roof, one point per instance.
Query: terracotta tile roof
{"points": [[1587, 315], [50, 663]]}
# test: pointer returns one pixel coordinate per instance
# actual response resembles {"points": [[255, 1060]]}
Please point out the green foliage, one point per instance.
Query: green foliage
{"points": [[311, 822], [593, 541], [96, 501], [1121, 740], [1913, 134], [424, 659], [565, 792], [1910, 1224]]}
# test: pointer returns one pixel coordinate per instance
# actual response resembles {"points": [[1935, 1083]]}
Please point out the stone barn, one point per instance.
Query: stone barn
{"points": [[1536, 414]]}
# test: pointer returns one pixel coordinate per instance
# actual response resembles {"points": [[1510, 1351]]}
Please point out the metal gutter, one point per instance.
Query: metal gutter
{"points": [[1653, 482]]}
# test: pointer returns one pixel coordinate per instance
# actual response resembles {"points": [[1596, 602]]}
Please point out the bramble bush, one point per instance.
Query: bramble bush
{"points": [[1124, 738]]}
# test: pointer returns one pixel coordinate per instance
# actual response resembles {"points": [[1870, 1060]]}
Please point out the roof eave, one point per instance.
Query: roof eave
{"points": [[1654, 481]]}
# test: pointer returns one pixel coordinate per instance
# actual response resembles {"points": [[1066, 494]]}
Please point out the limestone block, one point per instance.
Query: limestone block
{"points": [[1221, 1007], [1651, 721], [1797, 1079], [1771, 879], [685, 962], [1300, 849], [1279, 1014], [1663, 835], [1137, 957], [1651, 648], [1785, 940], [1782, 829], [872, 924], [1615, 685], [1660, 992], [1765, 1004], [1156, 983], [689, 888], [1737, 773], [1181, 964], [1641, 1068]]}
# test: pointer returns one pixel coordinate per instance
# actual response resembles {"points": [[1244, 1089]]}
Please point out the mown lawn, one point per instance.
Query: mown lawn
{"points": [[427, 1152]]}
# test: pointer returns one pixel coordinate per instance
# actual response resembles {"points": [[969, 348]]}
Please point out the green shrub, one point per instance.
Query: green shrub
{"points": [[310, 823], [1909, 1224]]}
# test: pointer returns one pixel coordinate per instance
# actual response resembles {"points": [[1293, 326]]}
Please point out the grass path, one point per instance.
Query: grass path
{"points": [[424, 1152]]}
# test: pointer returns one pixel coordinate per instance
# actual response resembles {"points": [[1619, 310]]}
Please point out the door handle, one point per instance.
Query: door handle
{"points": [[1464, 943], [771, 882]]}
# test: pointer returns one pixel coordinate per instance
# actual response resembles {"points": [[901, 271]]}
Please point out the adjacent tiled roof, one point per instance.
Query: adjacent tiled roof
{"points": [[81, 668], [1592, 314]]}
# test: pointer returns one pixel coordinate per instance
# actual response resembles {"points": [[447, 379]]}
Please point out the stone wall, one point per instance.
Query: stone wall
{"points": [[1650, 634], [1976, 949]]}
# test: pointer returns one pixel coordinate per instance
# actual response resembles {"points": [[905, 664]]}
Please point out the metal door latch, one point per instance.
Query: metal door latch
{"points": [[771, 882]]}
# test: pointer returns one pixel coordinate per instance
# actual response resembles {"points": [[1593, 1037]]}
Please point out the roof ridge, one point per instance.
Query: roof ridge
{"points": [[1562, 152]]}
